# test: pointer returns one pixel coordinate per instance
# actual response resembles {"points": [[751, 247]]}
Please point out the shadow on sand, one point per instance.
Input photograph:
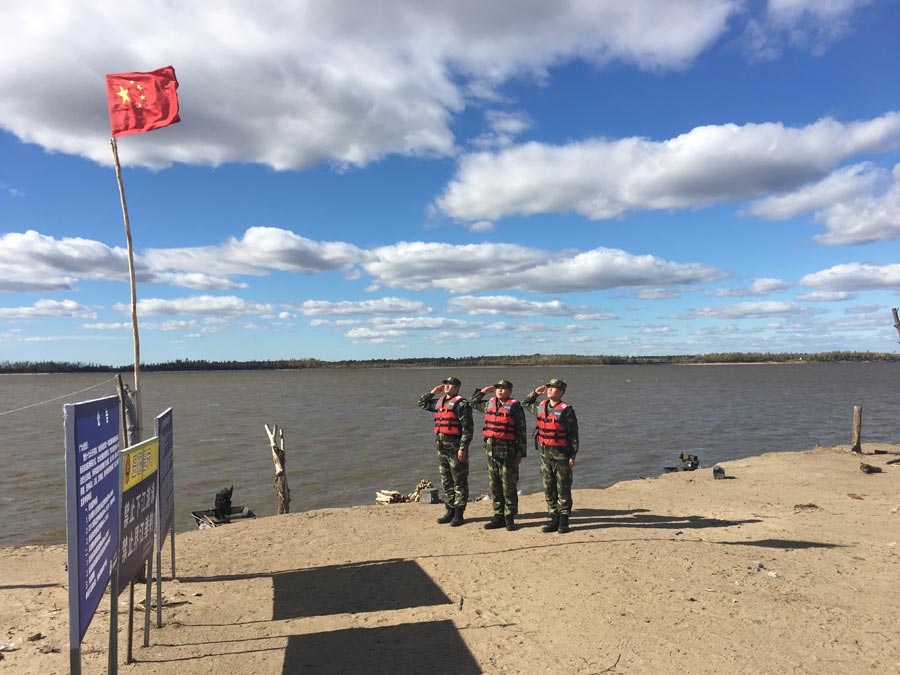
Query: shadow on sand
{"points": [[431, 646]]}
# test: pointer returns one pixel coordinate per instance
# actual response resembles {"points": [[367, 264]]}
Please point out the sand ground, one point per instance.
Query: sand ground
{"points": [[790, 566]]}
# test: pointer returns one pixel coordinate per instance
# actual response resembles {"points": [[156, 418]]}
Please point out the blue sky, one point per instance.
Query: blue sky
{"points": [[426, 179]]}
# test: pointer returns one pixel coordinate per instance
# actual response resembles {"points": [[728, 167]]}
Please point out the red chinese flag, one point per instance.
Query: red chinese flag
{"points": [[142, 101]]}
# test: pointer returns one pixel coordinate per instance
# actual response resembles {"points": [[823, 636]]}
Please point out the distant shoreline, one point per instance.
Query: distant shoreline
{"points": [[495, 361]]}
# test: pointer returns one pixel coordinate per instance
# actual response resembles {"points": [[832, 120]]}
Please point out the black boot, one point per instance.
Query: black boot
{"points": [[563, 523], [447, 517], [511, 523], [458, 516], [495, 522], [553, 525]]}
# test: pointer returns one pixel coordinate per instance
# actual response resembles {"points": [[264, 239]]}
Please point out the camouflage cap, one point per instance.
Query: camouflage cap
{"points": [[451, 380], [559, 384], [506, 384]]}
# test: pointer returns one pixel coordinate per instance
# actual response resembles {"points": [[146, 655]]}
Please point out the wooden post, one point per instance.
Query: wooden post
{"points": [[130, 431], [134, 321], [896, 319], [282, 491], [129, 412], [856, 439]]}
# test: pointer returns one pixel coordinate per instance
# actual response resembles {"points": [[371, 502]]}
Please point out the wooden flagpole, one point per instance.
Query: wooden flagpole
{"points": [[134, 321]]}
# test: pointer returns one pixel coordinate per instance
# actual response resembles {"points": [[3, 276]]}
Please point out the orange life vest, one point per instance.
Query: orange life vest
{"points": [[550, 429], [499, 421], [445, 419]]}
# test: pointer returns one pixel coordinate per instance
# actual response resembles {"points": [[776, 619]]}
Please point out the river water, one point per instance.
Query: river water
{"points": [[349, 433]]}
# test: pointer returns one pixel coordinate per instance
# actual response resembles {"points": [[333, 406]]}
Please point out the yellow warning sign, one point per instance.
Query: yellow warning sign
{"points": [[139, 461]]}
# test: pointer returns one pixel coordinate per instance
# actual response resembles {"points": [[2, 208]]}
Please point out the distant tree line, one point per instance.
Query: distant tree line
{"points": [[12, 367]]}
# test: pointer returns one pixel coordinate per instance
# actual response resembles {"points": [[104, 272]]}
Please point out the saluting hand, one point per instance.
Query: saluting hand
{"points": [[541, 389], [438, 389], [488, 390]]}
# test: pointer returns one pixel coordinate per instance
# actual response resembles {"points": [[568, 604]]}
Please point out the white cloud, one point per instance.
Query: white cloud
{"points": [[539, 328], [31, 261], [842, 184], [504, 128], [13, 192], [294, 84], [657, 294], [423, 265], [480, 226], [602, 179], [387, 305], [259, 251], [198, 281], [730, 329], [420, 323], [445, 337], [491, 267], [507, 305], [199, 305], [165, 326], [855, 277], [392, 328], [653, 329], [824, 296], [858, 204], [597, 316], [123, 325], [747, 310], [866, 219], [49, 308], [868, 308], [762, 286], [440, 329], [807, 24], [365, 333], [169, 326]]}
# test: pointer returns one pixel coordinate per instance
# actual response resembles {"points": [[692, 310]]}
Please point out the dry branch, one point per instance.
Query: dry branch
{"points": [[276, 444]]}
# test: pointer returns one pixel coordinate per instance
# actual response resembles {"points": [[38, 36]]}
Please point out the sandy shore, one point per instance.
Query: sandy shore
{"points": [[791, 566]]}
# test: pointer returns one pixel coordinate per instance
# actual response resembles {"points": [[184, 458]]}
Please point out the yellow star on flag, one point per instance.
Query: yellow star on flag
{"points": [[123, 92]]}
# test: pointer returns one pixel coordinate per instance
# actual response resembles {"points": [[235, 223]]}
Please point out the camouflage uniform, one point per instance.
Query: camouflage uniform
{"points": [[454, 474], [555, 470], [503, 456]]}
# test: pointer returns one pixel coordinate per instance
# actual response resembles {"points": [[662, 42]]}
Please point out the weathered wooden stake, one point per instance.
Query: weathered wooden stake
{"points": [[129, 412], [282, 491], [896, 319], [856, 439]]}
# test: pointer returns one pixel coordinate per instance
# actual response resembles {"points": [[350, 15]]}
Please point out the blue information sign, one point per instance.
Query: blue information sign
{"points": [[92, 505], [166, 476]]}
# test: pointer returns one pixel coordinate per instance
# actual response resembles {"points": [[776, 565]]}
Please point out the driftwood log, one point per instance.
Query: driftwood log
{"points": [[396, 497], [282, 491]]}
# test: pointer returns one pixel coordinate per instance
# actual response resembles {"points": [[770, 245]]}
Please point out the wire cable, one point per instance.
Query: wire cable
{"points": [[34, 405]]}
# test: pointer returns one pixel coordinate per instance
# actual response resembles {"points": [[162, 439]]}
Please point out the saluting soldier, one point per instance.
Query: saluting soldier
{"points": [[556, 436], [452, 435], [505, 444]]}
